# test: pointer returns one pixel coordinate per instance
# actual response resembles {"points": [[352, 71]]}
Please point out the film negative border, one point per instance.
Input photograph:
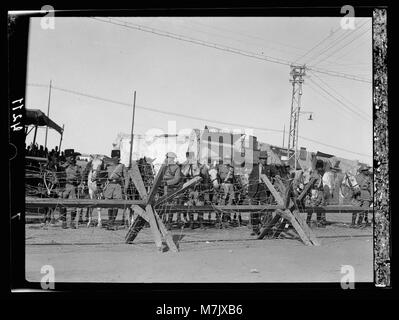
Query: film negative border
{"points": [[382, 228]]}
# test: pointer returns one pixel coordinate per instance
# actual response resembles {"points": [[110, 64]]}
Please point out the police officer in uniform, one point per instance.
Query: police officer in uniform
{"points": [[364, 196], [73, 178], [226, 174], [171, 179], [317, 196], [257, 191], [117, 178]]}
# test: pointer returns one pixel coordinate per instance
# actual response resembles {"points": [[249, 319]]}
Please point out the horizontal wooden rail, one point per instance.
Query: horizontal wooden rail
{"points": [[54, 202], [57, 202]]}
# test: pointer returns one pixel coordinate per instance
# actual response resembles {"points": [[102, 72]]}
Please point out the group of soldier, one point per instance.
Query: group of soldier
{"points": [[117, 184], [323, 190]]}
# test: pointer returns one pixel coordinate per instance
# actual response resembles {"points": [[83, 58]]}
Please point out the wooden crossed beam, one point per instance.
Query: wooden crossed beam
{"points": [[288, 213], [146, 212]]}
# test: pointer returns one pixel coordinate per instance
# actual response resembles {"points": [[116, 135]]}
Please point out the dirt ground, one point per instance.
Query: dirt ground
{"points": [[211, 255]]}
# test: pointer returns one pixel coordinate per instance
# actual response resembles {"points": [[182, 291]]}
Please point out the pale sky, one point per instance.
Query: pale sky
{"points": [[109, 61]]}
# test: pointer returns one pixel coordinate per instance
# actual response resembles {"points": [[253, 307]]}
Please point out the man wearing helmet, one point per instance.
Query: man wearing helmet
{"points": [[363, 196], [171, 178], [257, 191], [73, 179], [117, 177]]}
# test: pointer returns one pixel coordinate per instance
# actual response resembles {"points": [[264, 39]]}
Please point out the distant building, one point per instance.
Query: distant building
{"points": [[212, 145], [153, 147]]}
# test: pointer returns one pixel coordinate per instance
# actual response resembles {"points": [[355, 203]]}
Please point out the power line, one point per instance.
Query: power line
{"points": [[318, 44], [358, 45], [326, 84], [259, 39], [342, 111], [206, 120], [225, 48], [195, 41], [337, 41], [340, 101], [340, 48]]}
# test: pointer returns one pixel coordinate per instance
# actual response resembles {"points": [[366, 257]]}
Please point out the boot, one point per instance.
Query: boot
{"points": [[353, 224], [360, 220], [110, 219], [115, 214], [366, 221], [73, 217], [308, 219], [170, 221], [201, 220]]}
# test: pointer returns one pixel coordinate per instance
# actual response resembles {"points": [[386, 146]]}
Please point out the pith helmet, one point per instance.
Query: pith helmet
{"points": [[171, 155], [115, 153], [263, 155], [71, 153], [363, 168], [335, 166]]}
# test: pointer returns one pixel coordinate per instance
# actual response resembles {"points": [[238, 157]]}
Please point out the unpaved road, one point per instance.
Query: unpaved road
{"points": [[212, 255]]}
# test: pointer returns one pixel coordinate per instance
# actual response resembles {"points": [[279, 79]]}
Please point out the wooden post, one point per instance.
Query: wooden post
{"points": [[135, 175], [62, 134], [34, 136], [304, 232], [149, 214], [131, 133], [48, 114]]}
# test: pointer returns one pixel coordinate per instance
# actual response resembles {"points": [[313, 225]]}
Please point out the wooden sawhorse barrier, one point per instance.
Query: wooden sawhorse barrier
{"points": [[288, 214], [146, 212]]}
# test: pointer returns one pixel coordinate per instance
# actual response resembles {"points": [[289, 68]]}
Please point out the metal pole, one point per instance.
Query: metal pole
{"points": [[48, 114], [34, 137], [131, 133], [291, 122], [62, 134], [297, 125]]}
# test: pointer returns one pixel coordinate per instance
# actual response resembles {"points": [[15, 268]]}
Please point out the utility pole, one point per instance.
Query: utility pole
{"points": [[131, 133], [48, 114], [297, 73]]}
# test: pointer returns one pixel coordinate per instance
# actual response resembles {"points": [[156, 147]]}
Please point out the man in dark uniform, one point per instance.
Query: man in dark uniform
{"points": [[171, 180], [117, 177], [364, 196], [73, 179], [257, 191], [317, 196], [226, 173]]}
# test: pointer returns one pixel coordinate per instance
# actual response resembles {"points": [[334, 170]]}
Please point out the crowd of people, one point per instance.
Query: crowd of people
{"points": [[35, 150]]}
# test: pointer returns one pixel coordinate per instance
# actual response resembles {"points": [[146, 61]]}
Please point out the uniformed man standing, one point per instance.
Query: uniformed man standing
{"points": [[171, 179], [73, 178], [257, 191], [226, 173], [117, 177], [364, 196], [317, 197]]}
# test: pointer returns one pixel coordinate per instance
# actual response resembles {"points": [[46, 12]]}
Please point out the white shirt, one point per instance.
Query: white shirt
{"points": [[329, 180]]}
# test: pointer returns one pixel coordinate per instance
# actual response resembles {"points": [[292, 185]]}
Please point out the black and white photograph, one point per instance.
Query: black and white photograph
{"points": [[202, 149]]}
